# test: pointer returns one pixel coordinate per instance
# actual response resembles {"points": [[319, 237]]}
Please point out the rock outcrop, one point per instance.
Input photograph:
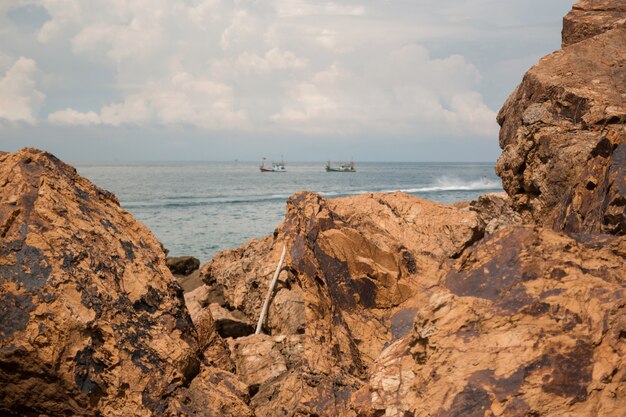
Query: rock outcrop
{"points": [[589, 18], [387, 308], [350, 288], [511, 305], [91, 320], [528, 322], [563, 129]]}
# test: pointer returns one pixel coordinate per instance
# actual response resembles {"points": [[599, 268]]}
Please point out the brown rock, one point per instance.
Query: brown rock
{"points": [[190, 282], [91, 320], [495, 210], [182, 265], [356, 268], [213, 393], [531, 327], [197, 300], [230, 323], [589, 18], [563, 138]]}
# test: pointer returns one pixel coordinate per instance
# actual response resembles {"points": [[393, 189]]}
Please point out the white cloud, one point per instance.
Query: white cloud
{"points": [[183, 99], [279, 65], [19, 97], [403, 91], [299, 8], [74, 117]]}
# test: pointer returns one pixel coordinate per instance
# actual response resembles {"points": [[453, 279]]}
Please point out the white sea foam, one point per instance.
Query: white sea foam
{"points": [[456, 184]]}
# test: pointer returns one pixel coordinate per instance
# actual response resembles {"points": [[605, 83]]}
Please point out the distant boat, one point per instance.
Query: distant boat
{"points": [[340, 167], [276, 166]]}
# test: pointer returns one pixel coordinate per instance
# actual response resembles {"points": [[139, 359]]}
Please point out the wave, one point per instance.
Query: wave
{"points": [[455, 184], [443, 184], [173, 202]]}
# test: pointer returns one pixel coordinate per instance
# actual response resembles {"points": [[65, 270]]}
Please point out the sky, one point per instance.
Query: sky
{"points": [[384, 80]]}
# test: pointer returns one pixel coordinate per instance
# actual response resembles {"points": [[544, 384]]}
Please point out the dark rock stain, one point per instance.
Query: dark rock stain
{"points": [[85, 368], [604, 148], [488, 281], [14, 314], [502, 278], [129, 250], [402, 322], [502, 388], [108, 225], [409, 261], [571, 372], [471, 402], [517, 408], [366, 289], [536, 308], [469, 331], [337, 278], [30, 271], [150, 301], [4, 229], [557, 274]]}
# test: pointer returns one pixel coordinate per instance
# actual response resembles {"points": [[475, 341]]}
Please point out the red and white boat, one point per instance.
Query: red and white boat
{"points": [[276, 166]]}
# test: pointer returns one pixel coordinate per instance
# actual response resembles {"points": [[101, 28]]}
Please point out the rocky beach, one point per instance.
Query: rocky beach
{"points": [[387, 304]]}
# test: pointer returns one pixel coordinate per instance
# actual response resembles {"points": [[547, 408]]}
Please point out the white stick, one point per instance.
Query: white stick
{"points": [[266, 304]]}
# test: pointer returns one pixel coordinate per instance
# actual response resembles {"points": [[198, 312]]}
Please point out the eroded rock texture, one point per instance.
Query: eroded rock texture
{"points": [[589, 18], [388, 307], [511, 305], [528, 322], [563, 129], [350, 289], [91, 320]]}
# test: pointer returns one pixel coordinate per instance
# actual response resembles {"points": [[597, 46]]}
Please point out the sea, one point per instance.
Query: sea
{"points": [[201, 208]]}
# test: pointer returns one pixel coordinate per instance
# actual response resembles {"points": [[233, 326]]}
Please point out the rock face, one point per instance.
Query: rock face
{"points": [[350, 288], [528, 322], [563, 134], [91, 320], [386, 308], [589, 18]]}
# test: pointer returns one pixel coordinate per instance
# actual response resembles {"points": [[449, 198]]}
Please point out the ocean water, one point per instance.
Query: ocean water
{"points": [[200, 208]]}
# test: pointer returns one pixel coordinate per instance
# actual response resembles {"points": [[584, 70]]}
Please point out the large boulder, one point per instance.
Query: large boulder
{"points": [[563, 137], [91, 320], [529, 322], [356, 270]]}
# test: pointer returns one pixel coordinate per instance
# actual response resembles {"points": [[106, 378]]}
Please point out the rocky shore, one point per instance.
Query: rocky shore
{"points": [[387, 304]]}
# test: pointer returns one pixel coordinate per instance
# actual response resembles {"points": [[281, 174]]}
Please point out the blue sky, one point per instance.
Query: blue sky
{"points": [[418, 80]]}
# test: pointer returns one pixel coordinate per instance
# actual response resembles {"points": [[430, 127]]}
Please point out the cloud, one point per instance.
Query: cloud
{"points": [[181, 100], [403, 91], [275, 66], [19, 98], [74, 117]]}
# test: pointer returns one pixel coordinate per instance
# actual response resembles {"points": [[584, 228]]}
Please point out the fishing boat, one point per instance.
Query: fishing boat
{"points": [[276, 166], [340, 167]]}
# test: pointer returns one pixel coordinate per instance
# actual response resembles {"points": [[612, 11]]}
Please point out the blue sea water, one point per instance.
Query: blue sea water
{"points": [[200, 208]]}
